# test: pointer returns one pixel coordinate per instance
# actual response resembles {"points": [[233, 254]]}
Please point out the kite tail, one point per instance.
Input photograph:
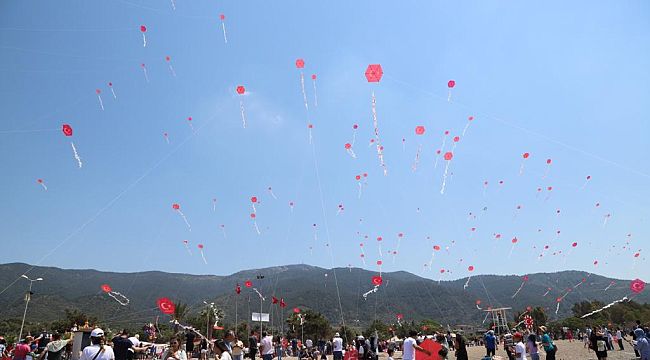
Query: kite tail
{"points": [[76, 155]]}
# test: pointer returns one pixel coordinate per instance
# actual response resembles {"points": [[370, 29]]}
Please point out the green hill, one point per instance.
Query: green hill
{"points": [[303, 286]]}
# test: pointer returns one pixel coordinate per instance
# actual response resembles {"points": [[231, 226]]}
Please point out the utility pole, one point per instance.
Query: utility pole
{"points": [[28, 297]]}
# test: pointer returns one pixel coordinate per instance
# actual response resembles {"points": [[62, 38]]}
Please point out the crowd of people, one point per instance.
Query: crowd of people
{"points": [[600, 340], [190, 344]]}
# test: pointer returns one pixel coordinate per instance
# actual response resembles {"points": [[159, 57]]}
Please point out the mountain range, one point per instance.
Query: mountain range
{"points": [[328, 291]]}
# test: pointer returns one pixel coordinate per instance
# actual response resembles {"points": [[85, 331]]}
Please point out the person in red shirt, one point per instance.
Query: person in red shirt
{"points": [[22, 349]]}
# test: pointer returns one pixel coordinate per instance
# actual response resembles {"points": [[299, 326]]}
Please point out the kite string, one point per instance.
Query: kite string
{"points": [[327, 233]]}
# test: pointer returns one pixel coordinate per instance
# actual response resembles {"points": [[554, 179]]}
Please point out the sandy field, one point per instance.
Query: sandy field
{"points": [[566, 351]]}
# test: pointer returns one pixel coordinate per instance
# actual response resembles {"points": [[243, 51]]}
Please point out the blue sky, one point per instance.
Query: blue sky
{"points": [[566, 81]]}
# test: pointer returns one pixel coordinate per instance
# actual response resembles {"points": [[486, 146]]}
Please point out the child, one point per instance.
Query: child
{"points": [[390, 354], [532, 347]]}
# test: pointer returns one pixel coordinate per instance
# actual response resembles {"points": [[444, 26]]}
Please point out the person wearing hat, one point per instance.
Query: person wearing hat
{"points": [[547, 343], [97, 350], [520, 348], [337, 347]]}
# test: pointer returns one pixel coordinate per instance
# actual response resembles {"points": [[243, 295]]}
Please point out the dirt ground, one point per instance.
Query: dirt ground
{"points": [[566, 351]]}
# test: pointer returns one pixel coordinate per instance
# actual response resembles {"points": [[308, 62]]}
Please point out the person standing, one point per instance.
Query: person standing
{"points": [[450, 341], [490, 343], [237, 347], [642, 345], [43, 339], [600, 344], [266, 346], [531, 345], [221, 350], [444, 346], [203, 348], [337, 345], [229, 340], [610, 339], [410, 347], [121, 345], [174, 351], [23, 349], [252, 345], [3, 348], [189, 342], [97, 350], [619, 338], [294, 347], [519, 348], [547, 344], [277, 343], [461, 347], [55, 348]]}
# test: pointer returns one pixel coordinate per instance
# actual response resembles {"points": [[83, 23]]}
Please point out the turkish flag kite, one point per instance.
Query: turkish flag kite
{"points": [[274, 299], [282, 303], [238, 289]]}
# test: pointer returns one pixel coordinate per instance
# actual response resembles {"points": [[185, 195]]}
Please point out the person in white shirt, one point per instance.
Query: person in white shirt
{"points": [[97, 350], [337, 347], [266, 346], [410, 346], [221, 349], [619, 339], [520, 348]]}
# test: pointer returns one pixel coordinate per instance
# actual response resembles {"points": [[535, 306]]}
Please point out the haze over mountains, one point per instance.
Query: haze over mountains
{"points": [[303, 286]]}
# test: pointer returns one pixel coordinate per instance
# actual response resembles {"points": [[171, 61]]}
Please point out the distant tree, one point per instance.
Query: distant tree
{"points": [[377, 327], [402, 330], [429, 326], [73, 317], [204, 321], [315, 326], [539, 316], [180, 311], [10, 328], [348, 333]]}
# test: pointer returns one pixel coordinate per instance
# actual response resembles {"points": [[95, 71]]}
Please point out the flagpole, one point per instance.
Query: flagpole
{"points": [[261, 303], [236, 298], [250, 326]]}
